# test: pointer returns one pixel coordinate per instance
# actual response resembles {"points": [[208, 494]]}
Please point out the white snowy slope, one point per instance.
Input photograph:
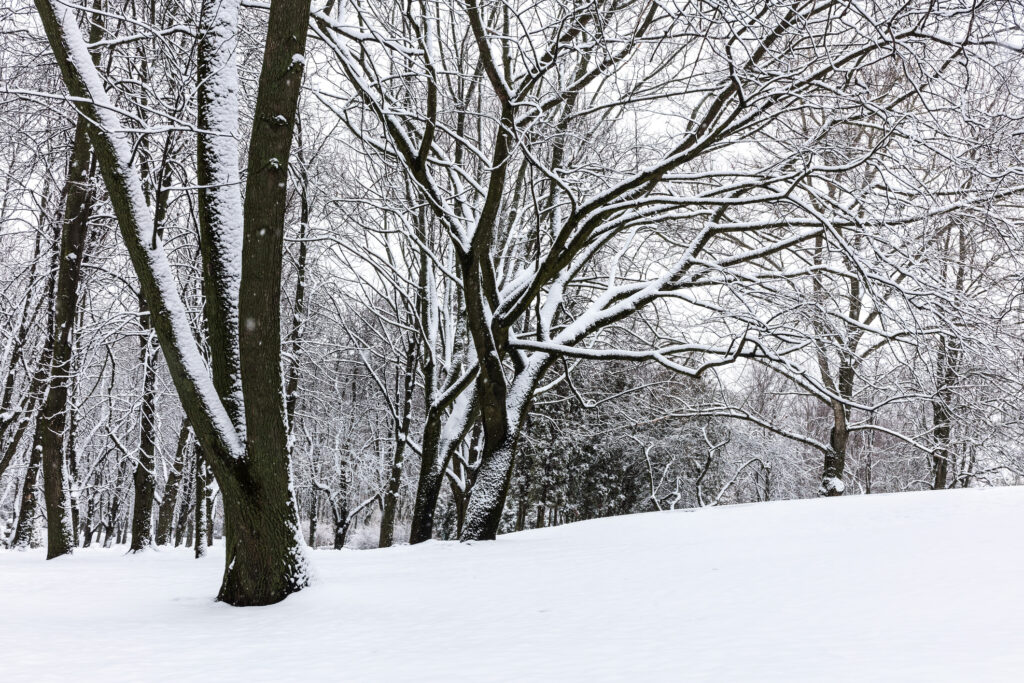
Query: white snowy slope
{"points": [[912, 587]]}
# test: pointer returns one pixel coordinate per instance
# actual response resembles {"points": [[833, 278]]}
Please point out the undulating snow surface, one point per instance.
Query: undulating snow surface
{"points": [[913, 587]]}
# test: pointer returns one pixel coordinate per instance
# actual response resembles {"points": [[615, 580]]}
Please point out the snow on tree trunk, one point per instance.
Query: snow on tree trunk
{"points": [[145, 476]]}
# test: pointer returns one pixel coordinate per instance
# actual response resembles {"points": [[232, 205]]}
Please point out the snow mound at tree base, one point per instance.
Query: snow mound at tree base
{"points": [[922, 586]]}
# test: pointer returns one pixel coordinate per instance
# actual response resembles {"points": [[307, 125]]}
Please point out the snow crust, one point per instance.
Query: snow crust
{"points": [[921, 586]]}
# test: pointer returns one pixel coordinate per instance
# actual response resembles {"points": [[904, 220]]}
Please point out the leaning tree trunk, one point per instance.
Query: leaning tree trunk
{"points": [[493, 476], [54, 412], [428, 490]]}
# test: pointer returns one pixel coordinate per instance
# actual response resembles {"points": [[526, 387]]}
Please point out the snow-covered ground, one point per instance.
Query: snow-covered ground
{"points": [[913, 587]]}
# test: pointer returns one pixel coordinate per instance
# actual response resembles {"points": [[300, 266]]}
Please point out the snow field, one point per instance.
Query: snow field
{"points": [[910, 587]]}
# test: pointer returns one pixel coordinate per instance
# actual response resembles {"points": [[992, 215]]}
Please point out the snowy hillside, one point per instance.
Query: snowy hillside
{"points": [[903, 587]]}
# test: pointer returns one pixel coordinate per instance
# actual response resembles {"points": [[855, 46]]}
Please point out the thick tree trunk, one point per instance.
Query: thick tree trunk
{"points": [[340, 531], [265, 562], [264, 558], [490, 489], [165, 516]]}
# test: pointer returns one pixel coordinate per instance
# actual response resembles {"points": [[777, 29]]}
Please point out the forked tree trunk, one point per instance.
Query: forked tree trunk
{"points": [[440, 439], [248, 452]]}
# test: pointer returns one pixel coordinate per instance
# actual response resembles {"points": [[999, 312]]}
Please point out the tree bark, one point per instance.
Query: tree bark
{"points": [[440, 439], [835, 458], [188, 483], [165, 516], [209, 508], [490, 489], [312, 519], [263, 560], [202, 493], [402, 423], [24, 532], [24, 535], [145, 476], [78, 207]]}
